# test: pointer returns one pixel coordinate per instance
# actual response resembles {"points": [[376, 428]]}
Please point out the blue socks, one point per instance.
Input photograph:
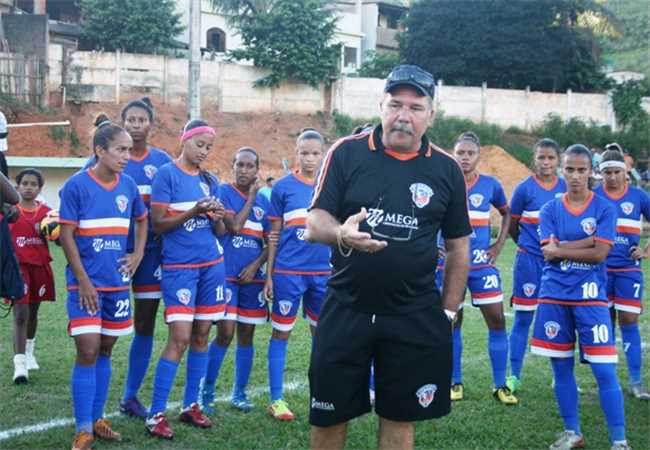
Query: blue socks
{"points": [[457, 356], [216, 354], [103, 372], [371, 382], [632, 346], [611, 399], [243, 365], [277, 356], [566, 392], [197, 363], [139, 356], [82, 385], [498, 349], [162, 384], [519, 340]]}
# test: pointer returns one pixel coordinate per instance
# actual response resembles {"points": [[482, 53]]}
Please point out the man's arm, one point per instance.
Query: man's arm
{"points": [[323, 227], [7, 192], [456, 268]]}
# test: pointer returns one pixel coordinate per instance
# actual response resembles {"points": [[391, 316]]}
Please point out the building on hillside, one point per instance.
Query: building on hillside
{"points": [[63, 17]]}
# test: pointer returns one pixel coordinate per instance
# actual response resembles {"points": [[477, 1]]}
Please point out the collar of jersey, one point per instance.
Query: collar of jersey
{"points": [[107, 186], [614, 196], [583, 208], [141, 158], [546, 186], [375, 143]]}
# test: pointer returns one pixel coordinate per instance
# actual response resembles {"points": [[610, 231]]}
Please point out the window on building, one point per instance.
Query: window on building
{"points": [[388, 21], [350, 57], [216, 40]]}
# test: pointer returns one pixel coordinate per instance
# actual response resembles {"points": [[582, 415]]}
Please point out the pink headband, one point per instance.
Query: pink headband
{"points": [[198, 130]]}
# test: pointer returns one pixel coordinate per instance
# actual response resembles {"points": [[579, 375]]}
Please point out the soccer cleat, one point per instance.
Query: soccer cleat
{"points": [[280, 410], [505, 396], [83, 441], [241, 402], [513, 383], [133, 408], [639, 391], [21, 375], [621, 445], [192, 415], [567, 440], [207, 398], [103, 429], [29, 353], [158, 426], [457, 392]]}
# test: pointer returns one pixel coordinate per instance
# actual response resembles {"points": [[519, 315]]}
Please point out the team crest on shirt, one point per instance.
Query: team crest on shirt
{"points": [[205, 188], [285, 307], [122, 202], [551, 329], [426, 394], [529, 289], [258, 212], [627, 208], [476, 200], [420, 194], [184, 296], [150, 171], [228, 295], [588, 225]]}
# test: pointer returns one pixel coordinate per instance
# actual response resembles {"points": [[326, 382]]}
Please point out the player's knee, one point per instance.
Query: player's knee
{"points": [[605, 375], [87, 356], [144, 326], [200, 340], [626, 318], [178, 344], [280, 335]]}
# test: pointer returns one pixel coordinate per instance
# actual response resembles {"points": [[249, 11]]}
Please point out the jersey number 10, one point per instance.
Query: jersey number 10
{"points": [[589, 290]]}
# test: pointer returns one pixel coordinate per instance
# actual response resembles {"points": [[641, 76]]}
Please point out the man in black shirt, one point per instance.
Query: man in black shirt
{"points": [[381, 197]]}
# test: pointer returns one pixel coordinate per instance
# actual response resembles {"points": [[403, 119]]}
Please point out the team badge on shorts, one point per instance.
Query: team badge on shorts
{"points": [[426, 394], [122, 202], [150, 171], [258, 212], [184, 296], [420, 194], [588, 225], [285, 307], [551, 329], [529, 289], [205, 188], [476, 200], [627, 208]]}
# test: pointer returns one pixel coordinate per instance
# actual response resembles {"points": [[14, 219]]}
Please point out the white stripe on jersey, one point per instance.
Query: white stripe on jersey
{"points": [[182, 206], [629, 223], [253, 226], [107, 222], [530, 214], [144, 189], [479, 214], [295, 214]]}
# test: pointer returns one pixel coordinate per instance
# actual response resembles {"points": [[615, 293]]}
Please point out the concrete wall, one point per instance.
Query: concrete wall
{"points": [[26, 33]]}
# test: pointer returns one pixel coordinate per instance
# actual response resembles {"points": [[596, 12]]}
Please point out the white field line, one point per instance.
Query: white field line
{"points": [[65, 422]]}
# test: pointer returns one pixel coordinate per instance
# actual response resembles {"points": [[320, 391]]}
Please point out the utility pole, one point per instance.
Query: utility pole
{"points": [[194, 73]]}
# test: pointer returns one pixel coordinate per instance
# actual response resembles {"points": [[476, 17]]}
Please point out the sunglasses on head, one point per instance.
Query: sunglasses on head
{"points": [[412, 74]]}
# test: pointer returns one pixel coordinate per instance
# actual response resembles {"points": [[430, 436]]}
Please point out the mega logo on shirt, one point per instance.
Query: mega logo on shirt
{"points": [[122, 202], [100, 244], [420, 194], [378, 217], [588, 225]]}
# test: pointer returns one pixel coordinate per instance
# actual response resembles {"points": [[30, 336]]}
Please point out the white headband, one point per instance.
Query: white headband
{"points": [[613, 165]]}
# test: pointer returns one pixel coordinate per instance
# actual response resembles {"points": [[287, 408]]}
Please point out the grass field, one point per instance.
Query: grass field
{"points": [[478, 422]]}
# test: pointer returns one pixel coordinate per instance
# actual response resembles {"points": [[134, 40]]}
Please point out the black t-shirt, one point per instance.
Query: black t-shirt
{"points": [[407, 200]]}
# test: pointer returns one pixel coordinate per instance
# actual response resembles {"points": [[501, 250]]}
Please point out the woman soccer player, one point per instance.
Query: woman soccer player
{"points": [[186, 211], [97, 208], [577, 231], [34, 258], [484, 281], [296, 268], [624, 273], [246, 221], [527, 200], [137, 117]]}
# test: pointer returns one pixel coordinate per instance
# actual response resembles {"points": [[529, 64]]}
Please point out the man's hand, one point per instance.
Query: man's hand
{"points": [[350, 235]]}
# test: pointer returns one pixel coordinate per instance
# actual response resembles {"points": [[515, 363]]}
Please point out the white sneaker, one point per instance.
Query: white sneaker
{"points": [[371, 394], [21, 375], [621, 445], [29, 353], [639, 391], [567, 440]]}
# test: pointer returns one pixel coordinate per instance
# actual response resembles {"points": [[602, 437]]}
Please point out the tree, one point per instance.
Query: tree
{"points": [[136, 26], [545, 44], [290, 38], [378, 65]]}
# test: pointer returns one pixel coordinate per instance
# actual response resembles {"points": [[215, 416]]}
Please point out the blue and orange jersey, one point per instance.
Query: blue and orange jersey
{"points": [[290, 199], [576, 281], [526, 203], [242, 249], [484, 191], [102, 214], [631, 207], [192, 244]]}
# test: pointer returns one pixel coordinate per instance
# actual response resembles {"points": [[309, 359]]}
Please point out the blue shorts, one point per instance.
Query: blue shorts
{"points": [[556, 324], [526, 278], [287, 291], [194, 293], [245, 303], [625, 289], [146, 280], [485, 286], [113, 319]]}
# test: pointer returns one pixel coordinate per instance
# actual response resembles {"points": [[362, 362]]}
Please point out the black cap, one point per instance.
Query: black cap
{"points": [[410, 75]]}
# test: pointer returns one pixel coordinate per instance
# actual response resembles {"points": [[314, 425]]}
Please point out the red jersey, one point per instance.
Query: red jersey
{"points": [[30, 247]]}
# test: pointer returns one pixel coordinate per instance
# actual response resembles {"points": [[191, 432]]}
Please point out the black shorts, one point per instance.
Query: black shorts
{"points": [[412, 359]]}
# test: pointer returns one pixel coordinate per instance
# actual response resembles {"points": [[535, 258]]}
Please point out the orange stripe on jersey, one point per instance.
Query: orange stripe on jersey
{"points": [[68, 222], [101, 231], [479, 222], [179, 310], [599, 349], [530, 220], [274, 218], [117, 325], [164, 205], [193, 266], [605, 241], [552, 345], [253, 313], [573, 302], [146, 197], [83, 321], [401, 156], [283, 320], [211, 309], [254, 233], [628, 230], [296, 222]]}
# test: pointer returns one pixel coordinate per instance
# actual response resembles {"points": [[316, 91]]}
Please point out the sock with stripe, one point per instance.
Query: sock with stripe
{"points": [[139, 357], [277, 356], [82, 385], [498, 349], [566, 392], [519, 340], [162, 385]]}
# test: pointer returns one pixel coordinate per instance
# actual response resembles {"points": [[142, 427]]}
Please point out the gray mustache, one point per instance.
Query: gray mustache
{"points": [[402, 128]]}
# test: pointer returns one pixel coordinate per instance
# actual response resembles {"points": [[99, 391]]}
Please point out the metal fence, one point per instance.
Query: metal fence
{"points": [[23, 78]]}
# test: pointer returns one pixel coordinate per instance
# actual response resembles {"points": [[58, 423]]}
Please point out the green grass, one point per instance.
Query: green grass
{"points": [[477, 422]]}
